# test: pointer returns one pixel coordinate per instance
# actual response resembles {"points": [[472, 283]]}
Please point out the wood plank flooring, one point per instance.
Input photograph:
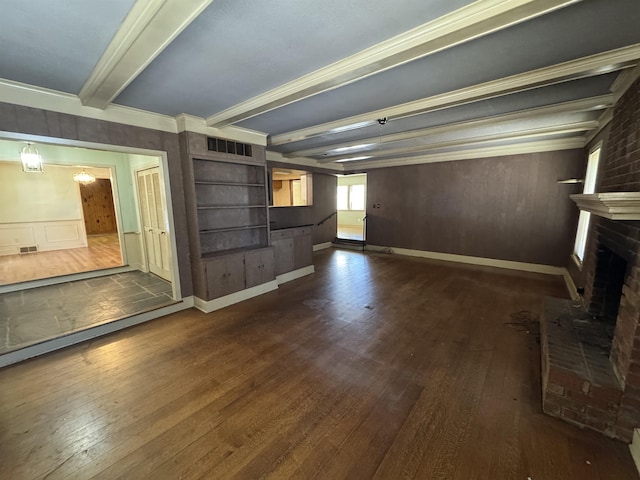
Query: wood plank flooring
{"points": [[376, 366], [103, 251]]}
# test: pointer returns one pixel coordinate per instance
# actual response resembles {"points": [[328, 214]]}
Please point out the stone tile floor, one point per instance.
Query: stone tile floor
{"points": [[31, 316]]}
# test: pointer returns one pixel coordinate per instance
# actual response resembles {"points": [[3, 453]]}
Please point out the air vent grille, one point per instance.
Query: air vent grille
{"points": [[227, 146], [30, 249]]}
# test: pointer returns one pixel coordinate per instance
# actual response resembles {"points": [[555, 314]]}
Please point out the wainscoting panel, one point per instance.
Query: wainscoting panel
{"points": [[54, 235]]}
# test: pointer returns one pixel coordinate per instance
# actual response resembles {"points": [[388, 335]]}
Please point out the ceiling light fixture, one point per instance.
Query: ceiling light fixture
{"points": [[31, 159], [84, 177]]}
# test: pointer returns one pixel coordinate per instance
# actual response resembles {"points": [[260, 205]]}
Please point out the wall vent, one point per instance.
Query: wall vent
{"points": [[227, 146], [29, 249]]}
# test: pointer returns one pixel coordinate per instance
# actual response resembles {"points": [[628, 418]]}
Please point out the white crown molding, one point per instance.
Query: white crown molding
{"points": [[583, 105], [603, 121], [623, 82], [612, 205], [303, 162], [470, 22], [46, 99], [471, 154], [478, 141], [199, 125], [148, 29], [37, 97], [597, 64]]}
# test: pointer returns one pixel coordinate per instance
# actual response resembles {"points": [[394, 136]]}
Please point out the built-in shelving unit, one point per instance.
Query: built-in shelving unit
{"points": [[228, 215], [231, 201]]}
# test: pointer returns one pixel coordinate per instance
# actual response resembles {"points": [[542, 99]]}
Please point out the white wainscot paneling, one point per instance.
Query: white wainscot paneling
{"points": [[54, 235]]}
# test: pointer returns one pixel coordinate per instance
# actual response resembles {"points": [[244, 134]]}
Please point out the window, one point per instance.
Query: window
{"points": [[351, 197], [343, 197], [585, 217], [356, 197]]}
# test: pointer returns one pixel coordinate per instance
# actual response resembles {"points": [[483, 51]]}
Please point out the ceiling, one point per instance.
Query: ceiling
{"points": [[344, 85]]}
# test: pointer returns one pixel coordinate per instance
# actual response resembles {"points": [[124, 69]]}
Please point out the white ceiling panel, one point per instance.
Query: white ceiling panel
{"points": [[56, 44], [237, 49]]}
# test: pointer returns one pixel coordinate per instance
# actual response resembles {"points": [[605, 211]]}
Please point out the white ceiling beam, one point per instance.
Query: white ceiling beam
{"points": [[520, 135], [597, 64], [470, 22], [584, 105], [476, 153], [149, 27]]}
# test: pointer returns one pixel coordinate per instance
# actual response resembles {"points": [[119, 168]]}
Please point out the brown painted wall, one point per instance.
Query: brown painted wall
{"points": [[324, 203], [34, 121], [507, 208]]}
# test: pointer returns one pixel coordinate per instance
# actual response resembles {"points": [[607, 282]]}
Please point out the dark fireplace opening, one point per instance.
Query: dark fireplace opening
{"points": [[610, 273]]}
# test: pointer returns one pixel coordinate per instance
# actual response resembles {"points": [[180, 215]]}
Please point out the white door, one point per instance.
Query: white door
{"points": [[154, 224]]}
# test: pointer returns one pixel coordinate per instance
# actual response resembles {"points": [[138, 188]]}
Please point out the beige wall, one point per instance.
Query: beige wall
{"points": [[38, 197]]}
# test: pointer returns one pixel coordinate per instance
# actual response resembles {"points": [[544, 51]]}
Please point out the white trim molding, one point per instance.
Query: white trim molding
{"points": [[25, 95], [592, 65], [480, 261], [530, 134], [295, 274], [584, 105], [467, 23], [208, 306], [148, 29], [198, 125], [471, 154], [302, 162], [322, 246], [612, 205]]}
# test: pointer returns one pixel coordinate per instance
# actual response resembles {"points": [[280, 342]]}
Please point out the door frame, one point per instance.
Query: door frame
{"points": [[166, 190]]}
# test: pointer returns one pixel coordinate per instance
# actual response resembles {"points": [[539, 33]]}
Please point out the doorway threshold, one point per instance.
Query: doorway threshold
{"points": [[38, 315], [72, 277]]}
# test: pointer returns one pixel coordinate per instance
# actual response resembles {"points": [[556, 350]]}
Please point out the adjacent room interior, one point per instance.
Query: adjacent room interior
{"points": [[83, 240], [320, 239]]}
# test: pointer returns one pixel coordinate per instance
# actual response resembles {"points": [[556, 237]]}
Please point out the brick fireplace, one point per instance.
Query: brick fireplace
{"points": [[591, 356]]}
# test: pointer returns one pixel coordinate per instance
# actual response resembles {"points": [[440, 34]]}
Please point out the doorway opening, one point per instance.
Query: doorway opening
{"points": [[76, 255], [352, 210]]}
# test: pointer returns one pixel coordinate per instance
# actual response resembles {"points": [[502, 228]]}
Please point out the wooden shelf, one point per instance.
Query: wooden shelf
{"points": [[232, 229], [215, 207]]}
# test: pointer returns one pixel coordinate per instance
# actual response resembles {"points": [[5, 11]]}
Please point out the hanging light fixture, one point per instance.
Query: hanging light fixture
{"points": [[84, 177], [31, 159]]}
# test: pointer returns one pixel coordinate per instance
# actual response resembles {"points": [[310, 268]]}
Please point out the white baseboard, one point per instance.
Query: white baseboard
{"points": [[571, 287], [97, 331], [294, 274], [635, 448], [321, 246], [486, 262], [208, 306]]}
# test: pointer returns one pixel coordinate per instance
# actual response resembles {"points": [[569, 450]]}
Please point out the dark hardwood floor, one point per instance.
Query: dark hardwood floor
{"points": [[376, 366]]}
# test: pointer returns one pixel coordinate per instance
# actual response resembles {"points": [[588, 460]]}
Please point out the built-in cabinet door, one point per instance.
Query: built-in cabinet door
{"points": [[259, 267], [225, 275], [302, 248], [154, 222], [283, 246]]}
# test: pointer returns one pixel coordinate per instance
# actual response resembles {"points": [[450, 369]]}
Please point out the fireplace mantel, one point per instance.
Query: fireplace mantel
{"points": [[613, 205]]}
